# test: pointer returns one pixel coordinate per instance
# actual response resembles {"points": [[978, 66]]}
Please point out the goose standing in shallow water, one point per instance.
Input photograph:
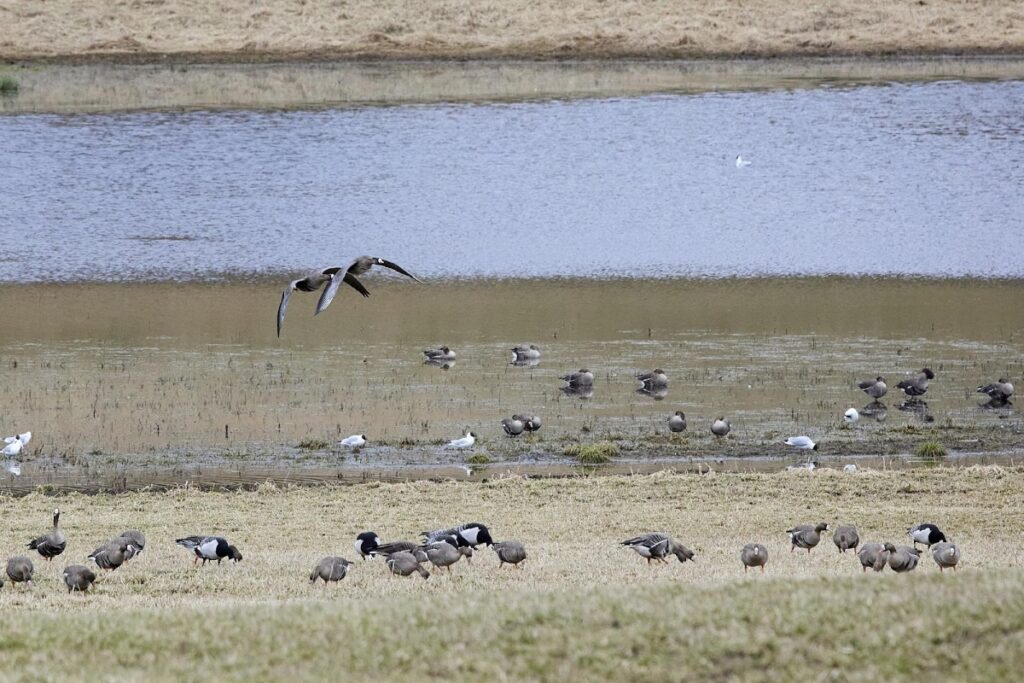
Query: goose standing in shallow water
{"points": [[846, 538], [658, 546], [677, 423], [525, 355], [999, 392], [946, 555], [875, 555], [875, 388], [52, 544], [926, 533], [721, 427], [20, 569], [439, 355], [334, 276], [806, 536], [531, 422], [330, 569], [653, 381], [754, 555], [207, 548], [904, 559], [78, 578], [579, 379], [917, 387]]}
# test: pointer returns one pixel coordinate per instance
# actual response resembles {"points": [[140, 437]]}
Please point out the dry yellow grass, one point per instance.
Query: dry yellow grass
{"points": [[232, 29], [582, 605]]}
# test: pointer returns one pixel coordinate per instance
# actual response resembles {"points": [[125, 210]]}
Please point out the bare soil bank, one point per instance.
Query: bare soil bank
{"points": [[231, 30]]}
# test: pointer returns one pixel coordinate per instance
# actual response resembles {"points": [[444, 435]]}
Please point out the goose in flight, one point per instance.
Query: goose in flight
{"points": [[333, 277]]}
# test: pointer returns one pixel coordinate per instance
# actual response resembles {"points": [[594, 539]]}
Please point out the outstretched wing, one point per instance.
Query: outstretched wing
{"points": [[398, 269], [284, 306], [331, 290]]}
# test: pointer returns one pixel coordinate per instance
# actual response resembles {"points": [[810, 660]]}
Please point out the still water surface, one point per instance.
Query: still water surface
{"points": [[899, 179]]}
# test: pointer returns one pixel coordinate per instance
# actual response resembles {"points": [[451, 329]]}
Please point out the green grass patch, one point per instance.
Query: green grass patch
{"points": [[478, 459], [931, 449], [592, 454], [313, 444], [8, 85]]}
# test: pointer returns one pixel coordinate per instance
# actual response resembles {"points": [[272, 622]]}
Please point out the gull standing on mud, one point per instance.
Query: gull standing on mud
{"points": [[466, 441], [851, 416], [355, 441], [802, 442], [334, 277]]}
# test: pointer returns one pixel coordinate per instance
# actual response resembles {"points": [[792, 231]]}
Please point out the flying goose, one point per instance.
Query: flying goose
{"points": [[470, 534], [442, 354], [754, 555], [658, 546], [918, 386], [113, 554], [846, 538], [652, 381], [926, 533], [366, 544], [875, 555], [446, 551], [78, 578], [875, 388], [52, 544], [330, 569], [677, 422], [20, 569], [509, 552], [525, 355], [334, 276], [208, 548], [721, 426], [404, 564], [741, 162], [904, 559], [806, 536], [946, 554], [802, 442], [1000, 390]]}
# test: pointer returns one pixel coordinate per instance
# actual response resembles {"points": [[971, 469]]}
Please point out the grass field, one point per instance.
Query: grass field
{"points": [[276, 29], [582, 607]]}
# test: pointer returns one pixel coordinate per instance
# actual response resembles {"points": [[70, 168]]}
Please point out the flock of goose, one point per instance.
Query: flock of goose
{"points": [[442, 548]]}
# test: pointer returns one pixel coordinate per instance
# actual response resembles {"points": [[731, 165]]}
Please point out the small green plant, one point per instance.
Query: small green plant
{"points": [[8, 85], [313, 444], [931, 449], [478, 459], [592, 454]]}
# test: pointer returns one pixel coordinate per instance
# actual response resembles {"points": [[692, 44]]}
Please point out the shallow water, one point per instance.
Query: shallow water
{"points": [[918, 179]]}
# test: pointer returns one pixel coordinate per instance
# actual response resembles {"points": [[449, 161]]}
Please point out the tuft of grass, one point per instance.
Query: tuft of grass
{"points": [[592, 454], [313, 444], [8, 85], [931, 449], [478, 459]]}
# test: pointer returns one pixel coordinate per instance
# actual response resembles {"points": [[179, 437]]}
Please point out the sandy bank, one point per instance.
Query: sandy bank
{"points": [[231, 30]]}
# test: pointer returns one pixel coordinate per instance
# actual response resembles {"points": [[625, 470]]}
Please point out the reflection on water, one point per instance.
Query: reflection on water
{"points": [[916, 179]]}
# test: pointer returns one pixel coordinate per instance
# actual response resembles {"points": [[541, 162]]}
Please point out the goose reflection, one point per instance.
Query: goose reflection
{"points": [[876, 410]]}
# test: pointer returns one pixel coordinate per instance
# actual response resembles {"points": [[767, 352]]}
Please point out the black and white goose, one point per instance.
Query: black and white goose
{"points": [[918, 386], [334, 277], [366, 544], [926, 533], [471, 534], [208, 548], [658, 546]]}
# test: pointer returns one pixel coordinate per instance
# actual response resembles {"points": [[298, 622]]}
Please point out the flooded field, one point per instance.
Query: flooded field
{"points": [[191, 381]]}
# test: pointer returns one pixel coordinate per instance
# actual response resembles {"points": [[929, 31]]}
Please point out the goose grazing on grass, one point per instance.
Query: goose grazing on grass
{"points": [[439, 355], [513, 426], [1000, 391], [20, 569], [78, 578], [926, 533], [471, 534], [875, 555], [721, 427], [652, 381], [875, 388], [366, 544], [904, 559], [355, 441], [802, 442], [846, 538], [806, 536], [946, 555], [466, 441], [579, 379], [404, 564], [917, 387], [330, 569], [509, 552], [334, 276], [754, 555], [851, 416], [446, 551], [208, 548], [52, 544], [677, 422], [113, 554], [658, 546], [388, 549], [525, 355], [138, 541]]}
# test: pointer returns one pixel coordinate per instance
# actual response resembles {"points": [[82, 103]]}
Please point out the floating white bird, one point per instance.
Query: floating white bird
{"points": [[465, 442], [23, 438], [850, 468], [354, 441], [851, 416], [741, 162], [802, 442]]}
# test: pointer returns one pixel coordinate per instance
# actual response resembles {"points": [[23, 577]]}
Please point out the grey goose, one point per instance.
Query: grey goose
{"points": [[658, 546], [917, 386], [330, 569], [846, 538], [52, 544], [78, 578], [875, 388], [753, 555], [720, 427], [677, 422], [805, 536], [509, 552], [20, 569], [904, 559], [513, 426], [113, 554], [404, 564], [946, 555], [875, 555]]}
